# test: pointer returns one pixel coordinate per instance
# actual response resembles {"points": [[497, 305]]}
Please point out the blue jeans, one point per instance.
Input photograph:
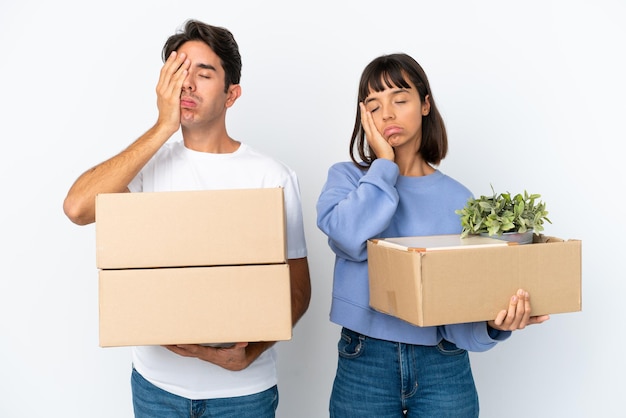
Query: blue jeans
{"points": [[150, 401], [384, 379]]}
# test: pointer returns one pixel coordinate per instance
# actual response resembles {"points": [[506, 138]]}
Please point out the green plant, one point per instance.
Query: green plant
{"points": [[502, 212]]}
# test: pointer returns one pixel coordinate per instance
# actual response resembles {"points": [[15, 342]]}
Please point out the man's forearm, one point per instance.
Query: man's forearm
{"points": [[300, 287], [112, 175]]}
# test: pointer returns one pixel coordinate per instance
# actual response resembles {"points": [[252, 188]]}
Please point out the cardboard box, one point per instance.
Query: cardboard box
{"points": [[194, 305], [192, 228], [195, 267], [467, 283]]}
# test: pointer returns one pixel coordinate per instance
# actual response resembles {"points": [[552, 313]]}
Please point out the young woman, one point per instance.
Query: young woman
{"points": [[386, 366]]}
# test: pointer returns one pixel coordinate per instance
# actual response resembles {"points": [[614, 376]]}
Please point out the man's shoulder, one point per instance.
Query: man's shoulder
{"points": [[253, 154], [169, 149]]}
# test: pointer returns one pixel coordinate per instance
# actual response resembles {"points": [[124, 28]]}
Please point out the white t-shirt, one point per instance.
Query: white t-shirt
{"points": [[177, 168]]}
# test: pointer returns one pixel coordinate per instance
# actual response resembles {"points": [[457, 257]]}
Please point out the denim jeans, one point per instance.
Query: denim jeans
{"points": [[150, 401], [384, 379]]}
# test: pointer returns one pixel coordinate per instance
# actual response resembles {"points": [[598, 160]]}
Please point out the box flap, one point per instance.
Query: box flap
{"points": [[396, 282]]}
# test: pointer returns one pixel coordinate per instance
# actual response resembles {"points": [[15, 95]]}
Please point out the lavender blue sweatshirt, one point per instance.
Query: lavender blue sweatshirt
{"points": [[356, 205]]}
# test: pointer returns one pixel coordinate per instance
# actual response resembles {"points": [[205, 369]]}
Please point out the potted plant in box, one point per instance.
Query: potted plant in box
{"points": [[504, 216]]}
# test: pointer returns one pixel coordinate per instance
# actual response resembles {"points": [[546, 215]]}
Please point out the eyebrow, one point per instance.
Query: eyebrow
{"points": [[206, 67], [395, 91]]}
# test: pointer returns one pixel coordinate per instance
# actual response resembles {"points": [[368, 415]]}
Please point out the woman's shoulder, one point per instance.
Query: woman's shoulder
{"points": [[454, 185], [347, 169], [347, 166]]}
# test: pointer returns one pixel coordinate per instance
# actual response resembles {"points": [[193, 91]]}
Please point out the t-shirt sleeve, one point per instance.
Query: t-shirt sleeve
{"points": [[296, 243], [136, 184]]}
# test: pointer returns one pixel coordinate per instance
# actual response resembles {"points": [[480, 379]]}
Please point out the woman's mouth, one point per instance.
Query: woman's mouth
{"points": [[391, 130]]}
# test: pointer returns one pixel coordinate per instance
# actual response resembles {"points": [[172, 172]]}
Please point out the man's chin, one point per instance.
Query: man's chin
{"points": [[187, 118]]}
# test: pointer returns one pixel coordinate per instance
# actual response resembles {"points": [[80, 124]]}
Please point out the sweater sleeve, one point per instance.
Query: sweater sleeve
{"points": [[354, 207], [473, 336]]}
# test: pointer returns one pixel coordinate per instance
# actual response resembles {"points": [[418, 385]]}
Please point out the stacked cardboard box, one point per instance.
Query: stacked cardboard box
{"points": [[445, 279], [192, 267]]}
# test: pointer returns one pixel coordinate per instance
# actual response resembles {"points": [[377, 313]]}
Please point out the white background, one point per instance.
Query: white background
{"points": [[533, 96]]}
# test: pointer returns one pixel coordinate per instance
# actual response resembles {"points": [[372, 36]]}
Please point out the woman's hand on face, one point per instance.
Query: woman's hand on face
{"points": [[375, 140], [517, 316]]}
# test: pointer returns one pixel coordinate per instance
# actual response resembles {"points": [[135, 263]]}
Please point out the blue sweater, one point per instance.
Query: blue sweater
{"points": [[356, 205]]}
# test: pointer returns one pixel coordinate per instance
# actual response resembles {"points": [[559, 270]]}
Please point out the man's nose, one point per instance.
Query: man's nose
{"points": [[187, 84]]}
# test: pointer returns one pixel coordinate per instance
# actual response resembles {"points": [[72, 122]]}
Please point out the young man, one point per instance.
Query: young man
{"points": [[198, 83]]}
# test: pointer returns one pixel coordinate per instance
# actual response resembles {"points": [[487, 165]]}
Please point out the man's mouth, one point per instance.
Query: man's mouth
{"points": [[187, 103]]}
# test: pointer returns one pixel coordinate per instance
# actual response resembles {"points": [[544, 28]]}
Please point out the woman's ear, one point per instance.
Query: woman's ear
{"points": [[426, 106]]}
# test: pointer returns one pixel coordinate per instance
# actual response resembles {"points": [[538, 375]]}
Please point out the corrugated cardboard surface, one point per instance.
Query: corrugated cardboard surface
{"points": [[194, 305], [194, 228], [474, 284]]}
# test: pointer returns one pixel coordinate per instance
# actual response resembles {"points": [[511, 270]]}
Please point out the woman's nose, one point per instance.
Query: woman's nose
{"points": [[387, 112]]}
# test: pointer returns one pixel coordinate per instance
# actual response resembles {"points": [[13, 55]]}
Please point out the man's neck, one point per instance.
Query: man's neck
{"points": [[214, 144]]}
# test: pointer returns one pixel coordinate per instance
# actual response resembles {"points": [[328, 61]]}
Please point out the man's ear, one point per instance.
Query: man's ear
{"points": [[234, 92]]}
